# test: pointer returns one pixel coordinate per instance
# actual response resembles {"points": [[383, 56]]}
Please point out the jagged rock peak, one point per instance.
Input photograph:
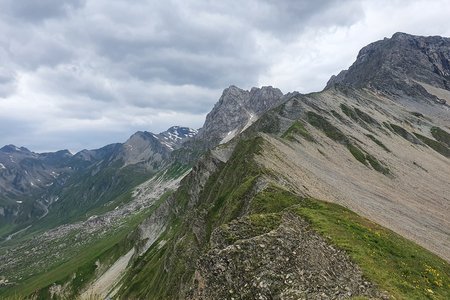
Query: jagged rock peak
{"points": [[175, 135], [236, 110], [179, 132], [11, 148], [403, 63]]}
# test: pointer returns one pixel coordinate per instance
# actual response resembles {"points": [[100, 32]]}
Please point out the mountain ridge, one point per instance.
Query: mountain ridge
{"points": [[400, 65]]}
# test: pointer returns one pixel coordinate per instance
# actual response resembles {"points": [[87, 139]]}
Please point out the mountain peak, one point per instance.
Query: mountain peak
{"points": [[402, 65], [11, 148], [236, 110], [175, 135]]}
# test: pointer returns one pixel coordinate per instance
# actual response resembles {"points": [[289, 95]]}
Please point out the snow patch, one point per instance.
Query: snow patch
{"points": [[250, 121], [2, 166], [230, 135]]}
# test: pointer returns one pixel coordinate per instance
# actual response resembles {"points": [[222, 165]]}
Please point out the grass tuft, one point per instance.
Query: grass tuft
{"points": [[357, 153], [441, 135], [299, 129], [378, 142], [330, 131], [435, 145], [399, 266], [349, 112]]}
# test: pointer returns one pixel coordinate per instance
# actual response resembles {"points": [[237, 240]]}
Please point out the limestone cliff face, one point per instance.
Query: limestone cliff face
{"points": [[236, 110], [401, 65]]}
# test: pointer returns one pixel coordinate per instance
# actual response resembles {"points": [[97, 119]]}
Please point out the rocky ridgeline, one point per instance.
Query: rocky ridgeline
{"points": [[237, 109], [401, 65], [291, 262]]}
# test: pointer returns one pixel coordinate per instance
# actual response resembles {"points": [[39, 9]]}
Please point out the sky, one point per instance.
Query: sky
{"points": [[80, 74]]}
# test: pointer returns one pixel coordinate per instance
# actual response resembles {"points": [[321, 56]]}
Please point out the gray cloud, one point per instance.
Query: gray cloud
{"points": [[80, 74], [36, 11], [7, 82]]}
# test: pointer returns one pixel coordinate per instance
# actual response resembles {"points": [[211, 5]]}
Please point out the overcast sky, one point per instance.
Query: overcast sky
{"points": [[80, 74]]}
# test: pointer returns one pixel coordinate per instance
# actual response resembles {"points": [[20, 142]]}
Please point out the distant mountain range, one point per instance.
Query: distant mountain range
{"points": [[31, 182]]}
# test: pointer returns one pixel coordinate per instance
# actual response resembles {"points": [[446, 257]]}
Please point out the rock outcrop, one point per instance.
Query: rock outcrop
{"points": [[402, 65]]}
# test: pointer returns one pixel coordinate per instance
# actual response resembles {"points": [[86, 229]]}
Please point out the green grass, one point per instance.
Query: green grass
{"points": [[297, 129], [366, 159], [440, 135], [403, 133], [365, 117], [357, 153], [349, 112], [435, 145], [378, 142], [337, 115], [83, 263], [376, 165], [330, 131], [336, 135], [6, 229], [272, 200], [397, 265]]}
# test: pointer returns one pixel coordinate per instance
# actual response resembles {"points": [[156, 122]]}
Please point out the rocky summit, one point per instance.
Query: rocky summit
{"points": [[338, 194], [402, 65]]}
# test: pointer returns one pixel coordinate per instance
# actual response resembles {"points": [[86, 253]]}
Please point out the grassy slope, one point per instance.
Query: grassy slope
{"points": [[399, 266], [82, 262], [164, 270], [107, 250]]}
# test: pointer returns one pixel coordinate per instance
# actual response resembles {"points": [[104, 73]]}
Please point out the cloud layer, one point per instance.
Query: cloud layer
{"points": [[81, 74]]}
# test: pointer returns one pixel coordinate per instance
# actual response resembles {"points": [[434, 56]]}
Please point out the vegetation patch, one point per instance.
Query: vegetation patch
{"points": [[377, 165], [399, 266], [348, 111], [435, 145], [365, 117], [82, 263], [441, 135], [385, 124], [336, 135], [337, 115], [378, 142], [273, 199], [357, 153], [297, 128], [417, 114], [403, 133], [366, 159], [330, 131]]}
